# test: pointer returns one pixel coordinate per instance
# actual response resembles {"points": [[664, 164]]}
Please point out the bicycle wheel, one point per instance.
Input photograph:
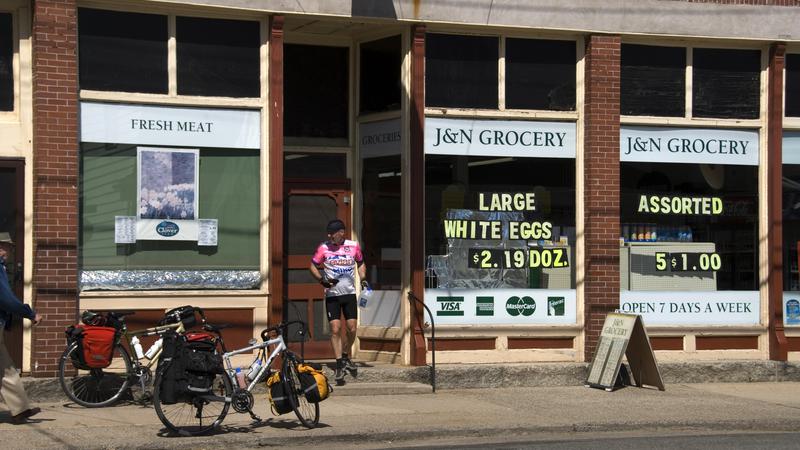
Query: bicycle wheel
{"points": [[307, 412], [94, 388], [192, 414]]}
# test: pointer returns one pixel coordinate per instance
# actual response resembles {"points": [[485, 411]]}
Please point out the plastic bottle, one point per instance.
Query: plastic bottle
{"points": [[366, 293], [137, 347], [254, 368], [240, 378], [151, 352]]}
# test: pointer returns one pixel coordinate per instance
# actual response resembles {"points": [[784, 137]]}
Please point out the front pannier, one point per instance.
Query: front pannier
{"points": [[278, 397]]}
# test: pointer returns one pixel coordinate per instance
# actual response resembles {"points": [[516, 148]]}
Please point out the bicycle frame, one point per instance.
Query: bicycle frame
{"points": [[153, 331], [230, 371]]}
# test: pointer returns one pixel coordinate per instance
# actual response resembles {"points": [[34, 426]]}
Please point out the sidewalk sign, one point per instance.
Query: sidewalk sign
{"points": [[624, 334]]}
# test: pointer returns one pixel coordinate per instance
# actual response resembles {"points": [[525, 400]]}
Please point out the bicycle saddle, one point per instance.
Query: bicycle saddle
{"points": [[215, 328]]}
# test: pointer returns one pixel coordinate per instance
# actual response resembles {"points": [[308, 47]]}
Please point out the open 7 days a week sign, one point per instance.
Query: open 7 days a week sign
{"points": [[624, 334]]}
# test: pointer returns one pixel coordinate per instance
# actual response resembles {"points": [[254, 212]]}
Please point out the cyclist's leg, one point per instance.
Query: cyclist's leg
{"points": [[334, 310], [349, 307]]}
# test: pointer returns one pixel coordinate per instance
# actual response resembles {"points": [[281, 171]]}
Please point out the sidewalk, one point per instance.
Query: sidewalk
{"points": [[476, 376], [370, 421]]}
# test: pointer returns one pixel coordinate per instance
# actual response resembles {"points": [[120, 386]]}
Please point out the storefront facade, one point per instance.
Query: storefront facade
{"points": [[521, 171]]}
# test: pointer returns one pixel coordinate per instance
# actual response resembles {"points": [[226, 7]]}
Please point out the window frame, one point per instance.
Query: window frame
{"points": [[16, 90], [502, 111], [688, 118], [791, 123], [172, 97]]}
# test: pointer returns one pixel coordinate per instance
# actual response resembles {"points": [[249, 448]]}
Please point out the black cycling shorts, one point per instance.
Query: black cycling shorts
{"points": [[337, 304]]}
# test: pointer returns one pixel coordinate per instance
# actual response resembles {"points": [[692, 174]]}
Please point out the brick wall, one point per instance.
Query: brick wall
{"points": [[55, 178], [601, 147]]}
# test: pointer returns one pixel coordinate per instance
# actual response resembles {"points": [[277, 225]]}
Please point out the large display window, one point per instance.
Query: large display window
{"points": [[689, 222], [500, 221], [791, 227], [169, 198]]}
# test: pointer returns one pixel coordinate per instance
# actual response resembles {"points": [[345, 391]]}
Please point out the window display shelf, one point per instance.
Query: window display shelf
{"points": [[638, 267]]}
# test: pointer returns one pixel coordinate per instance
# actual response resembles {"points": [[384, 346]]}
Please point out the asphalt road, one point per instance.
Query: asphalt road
{"points": [[731, 441]]}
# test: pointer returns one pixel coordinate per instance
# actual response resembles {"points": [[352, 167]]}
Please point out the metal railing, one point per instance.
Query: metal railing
{"points": [[413, 297]]}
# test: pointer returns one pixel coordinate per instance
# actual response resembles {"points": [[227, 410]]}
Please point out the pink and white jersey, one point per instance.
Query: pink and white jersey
{"points": [[339, 261]]}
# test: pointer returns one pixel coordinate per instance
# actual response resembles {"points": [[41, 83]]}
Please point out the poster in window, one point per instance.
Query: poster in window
{"points": [[167, 183]]}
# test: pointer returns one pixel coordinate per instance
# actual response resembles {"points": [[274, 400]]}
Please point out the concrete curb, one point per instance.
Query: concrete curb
{"points": [[372, 379]]}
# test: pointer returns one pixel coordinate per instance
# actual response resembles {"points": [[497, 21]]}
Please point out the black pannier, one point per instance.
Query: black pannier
{"points": [[187, 368], [75, 334], [278, 397]]}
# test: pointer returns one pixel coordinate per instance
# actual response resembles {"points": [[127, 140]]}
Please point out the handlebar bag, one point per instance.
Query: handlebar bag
{"points": [[313, 382]]}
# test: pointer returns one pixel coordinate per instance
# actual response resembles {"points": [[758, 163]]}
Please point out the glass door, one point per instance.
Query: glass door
{"points": [[309, 205]]}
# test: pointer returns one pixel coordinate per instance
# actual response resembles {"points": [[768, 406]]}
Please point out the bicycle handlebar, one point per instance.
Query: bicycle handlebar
{"points": [[279, 327]]}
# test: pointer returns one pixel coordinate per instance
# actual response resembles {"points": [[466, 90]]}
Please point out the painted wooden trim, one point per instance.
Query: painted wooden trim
{"points": [[275, 108], [379, 345], [521, 343], [417, 197], [778, 346], [667, 343], [464, 344], [727, 342]]}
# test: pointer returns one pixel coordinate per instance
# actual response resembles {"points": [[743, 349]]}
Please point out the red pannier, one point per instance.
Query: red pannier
{"points": [[97, 344]]}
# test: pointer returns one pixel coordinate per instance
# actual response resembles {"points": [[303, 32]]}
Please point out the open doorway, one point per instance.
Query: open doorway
{"points": [[12, 239]]}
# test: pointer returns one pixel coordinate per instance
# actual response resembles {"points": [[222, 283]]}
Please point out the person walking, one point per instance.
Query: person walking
{"points": [[334, 266], [11, 387]]}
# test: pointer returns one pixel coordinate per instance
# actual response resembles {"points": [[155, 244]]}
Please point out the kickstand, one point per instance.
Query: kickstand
{"points": [[254, 416]]}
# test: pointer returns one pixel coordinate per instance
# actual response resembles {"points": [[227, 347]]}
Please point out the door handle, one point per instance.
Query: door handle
{"points": [[18, 272]]}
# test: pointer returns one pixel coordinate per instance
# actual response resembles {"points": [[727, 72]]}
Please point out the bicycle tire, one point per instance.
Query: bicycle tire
{"points": [[192, 416], [307, 412], [95, 388]]}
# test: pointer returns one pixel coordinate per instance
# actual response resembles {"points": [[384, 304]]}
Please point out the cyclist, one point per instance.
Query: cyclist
{"points": [[334, 266]]}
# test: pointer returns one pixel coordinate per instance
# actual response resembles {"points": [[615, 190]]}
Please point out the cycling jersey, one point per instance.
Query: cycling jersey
{"points": [[339, 262]]}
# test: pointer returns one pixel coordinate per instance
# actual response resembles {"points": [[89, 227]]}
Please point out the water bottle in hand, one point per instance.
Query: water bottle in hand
{"points": [[366, 293]]}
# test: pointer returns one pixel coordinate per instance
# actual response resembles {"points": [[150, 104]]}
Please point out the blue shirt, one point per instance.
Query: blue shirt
{"points": [[10, 305]]}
